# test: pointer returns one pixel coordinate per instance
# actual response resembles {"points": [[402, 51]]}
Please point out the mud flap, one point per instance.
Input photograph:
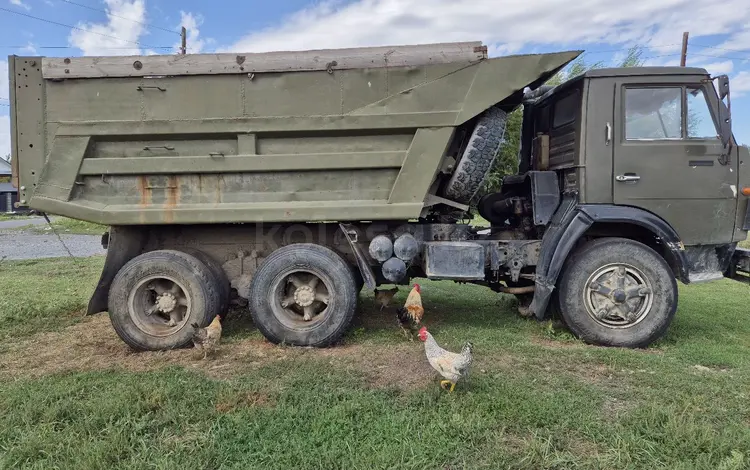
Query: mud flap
{"points": [[566, 228], [123, 244], [351, 234]]}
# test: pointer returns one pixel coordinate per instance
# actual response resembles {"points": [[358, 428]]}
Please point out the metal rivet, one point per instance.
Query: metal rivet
{"points": [[23, 188], [66, 61], [137, 65]]}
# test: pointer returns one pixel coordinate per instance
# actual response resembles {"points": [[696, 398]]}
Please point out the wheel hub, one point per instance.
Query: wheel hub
{"points": [[304, 296], [166, 302], [618, 296]]}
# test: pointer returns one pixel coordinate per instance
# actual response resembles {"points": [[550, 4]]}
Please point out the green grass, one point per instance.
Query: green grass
{"points": [[537, 398], [73, 226], [44, 295], [5, 216]]}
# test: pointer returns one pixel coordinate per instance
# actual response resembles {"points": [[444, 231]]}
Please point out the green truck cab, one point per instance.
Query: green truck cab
{"points": [[289, 181]]}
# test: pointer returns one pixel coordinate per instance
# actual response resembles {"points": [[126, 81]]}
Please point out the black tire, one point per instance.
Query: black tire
{"points": [[220, 277], [285, 325], [147, 332], [649, 313], [478, 156]]}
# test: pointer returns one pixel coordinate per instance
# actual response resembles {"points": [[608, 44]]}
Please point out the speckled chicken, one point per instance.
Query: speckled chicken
{"points": [[453, 367], [207, 339]]}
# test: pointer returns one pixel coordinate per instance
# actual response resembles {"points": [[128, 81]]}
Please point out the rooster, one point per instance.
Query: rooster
{"points": [[383, 297], [207, 339], [410, 315], [453, 367]]}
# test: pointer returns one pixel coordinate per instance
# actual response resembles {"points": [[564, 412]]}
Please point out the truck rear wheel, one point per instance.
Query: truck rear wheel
{"points": [[222, 281], [477, 158], [303, 295], [156, 296], [617, 292]]}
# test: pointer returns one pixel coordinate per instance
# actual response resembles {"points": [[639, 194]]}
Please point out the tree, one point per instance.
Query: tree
{"points": [[6, 158], [506, 162]]}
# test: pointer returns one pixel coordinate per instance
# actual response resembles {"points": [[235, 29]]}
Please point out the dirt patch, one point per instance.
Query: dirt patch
{"points": [[245, 400], [93, 345]]}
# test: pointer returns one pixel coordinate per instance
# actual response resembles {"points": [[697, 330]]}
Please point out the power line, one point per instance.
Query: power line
{"points": [[28, 46], [718, 48], [628, 48], [71, 27], [719, 56], [148, 25]]}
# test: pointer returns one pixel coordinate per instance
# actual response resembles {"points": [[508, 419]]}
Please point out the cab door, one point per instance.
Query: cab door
{"points": [[668, 158]]}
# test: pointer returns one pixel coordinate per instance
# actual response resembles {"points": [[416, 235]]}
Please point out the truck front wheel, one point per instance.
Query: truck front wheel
{"points": [[617, 292], [303, 295]]}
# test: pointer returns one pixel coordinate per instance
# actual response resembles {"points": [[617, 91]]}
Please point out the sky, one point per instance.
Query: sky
{"points": [[605, 29]]}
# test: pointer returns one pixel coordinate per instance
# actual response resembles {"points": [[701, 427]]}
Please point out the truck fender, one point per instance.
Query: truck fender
{"points": [[123, 244], [569, 224], [351, 235]]}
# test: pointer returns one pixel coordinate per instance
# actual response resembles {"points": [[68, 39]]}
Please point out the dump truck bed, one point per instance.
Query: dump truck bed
{"points": [[346, 134]]}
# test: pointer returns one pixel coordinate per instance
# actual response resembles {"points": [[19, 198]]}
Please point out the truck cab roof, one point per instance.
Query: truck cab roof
{"points": [[642, 71]]}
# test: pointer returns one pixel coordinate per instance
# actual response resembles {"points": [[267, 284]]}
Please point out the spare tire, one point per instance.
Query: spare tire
{"points": [[477, 157]]}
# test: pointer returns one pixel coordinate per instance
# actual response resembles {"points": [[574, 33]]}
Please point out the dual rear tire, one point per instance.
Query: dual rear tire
{"points": [[302, 294]]}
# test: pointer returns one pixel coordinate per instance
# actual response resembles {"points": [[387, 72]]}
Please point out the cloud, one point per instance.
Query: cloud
{"points": [[739, 85], [124, 28], [4, 118], [739, 41], [717, 68], [29, 48], [500, 25], [192, 23], [19, 3], [4, 135]]}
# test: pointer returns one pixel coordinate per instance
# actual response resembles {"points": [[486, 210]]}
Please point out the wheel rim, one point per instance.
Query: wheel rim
{"points": [[300, 299], [159, 305], [618, 296]]}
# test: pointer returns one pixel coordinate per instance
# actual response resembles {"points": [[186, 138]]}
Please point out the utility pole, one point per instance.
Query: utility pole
{"points": [[683, 56], [183, 44]]}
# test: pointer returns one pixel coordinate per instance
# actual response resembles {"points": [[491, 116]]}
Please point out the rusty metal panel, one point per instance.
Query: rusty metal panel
{"points": [[308, 142]]}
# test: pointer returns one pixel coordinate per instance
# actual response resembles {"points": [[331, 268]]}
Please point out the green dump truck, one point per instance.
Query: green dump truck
{"points": [[287, 181]]}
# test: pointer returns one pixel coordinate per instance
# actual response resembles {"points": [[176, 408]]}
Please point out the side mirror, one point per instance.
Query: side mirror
{"points": [[725, 110], [723, 86]]}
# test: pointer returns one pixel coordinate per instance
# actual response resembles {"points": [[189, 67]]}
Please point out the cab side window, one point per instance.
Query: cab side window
{"points": [[700, 122], [653, 113]]}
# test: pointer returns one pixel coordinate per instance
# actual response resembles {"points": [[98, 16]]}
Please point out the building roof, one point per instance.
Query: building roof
{"points": [[4, 168], [7, 188]]}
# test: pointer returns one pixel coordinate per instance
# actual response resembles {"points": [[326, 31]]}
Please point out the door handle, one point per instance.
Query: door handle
{"points": [[608, 135], [627, 177]]}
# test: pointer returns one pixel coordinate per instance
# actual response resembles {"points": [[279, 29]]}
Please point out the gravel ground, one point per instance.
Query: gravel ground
{"points": [[17, 244]]}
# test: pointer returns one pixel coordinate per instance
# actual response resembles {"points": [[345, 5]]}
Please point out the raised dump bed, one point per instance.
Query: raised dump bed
{"points": [[347, 134]]}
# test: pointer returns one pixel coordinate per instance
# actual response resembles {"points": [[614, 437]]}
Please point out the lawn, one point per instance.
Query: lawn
{"points": [[73, 396], [72, 226]]}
